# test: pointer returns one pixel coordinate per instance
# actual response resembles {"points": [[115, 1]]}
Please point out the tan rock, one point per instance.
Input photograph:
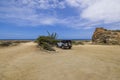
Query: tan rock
{"points": [[104, 36]]}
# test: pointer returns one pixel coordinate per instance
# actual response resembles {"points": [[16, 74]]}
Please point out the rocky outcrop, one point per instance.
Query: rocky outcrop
{"points": [[104, 36]]}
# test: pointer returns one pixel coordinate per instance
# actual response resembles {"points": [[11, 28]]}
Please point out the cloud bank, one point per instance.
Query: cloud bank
{"points": [[89, 13]]}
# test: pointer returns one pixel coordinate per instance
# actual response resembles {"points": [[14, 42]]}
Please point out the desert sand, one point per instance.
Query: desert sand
{"points": [[83, 62]]}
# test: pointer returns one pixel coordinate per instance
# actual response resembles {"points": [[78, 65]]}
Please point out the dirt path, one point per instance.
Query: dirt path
{"points": [[85, 62]]}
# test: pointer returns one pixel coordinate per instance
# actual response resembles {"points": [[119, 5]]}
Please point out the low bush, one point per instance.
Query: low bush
{"points": [[46, 39], [47, 42], [77, 43], [47, 46], [3, 44], [80, 42], [73, 42]]}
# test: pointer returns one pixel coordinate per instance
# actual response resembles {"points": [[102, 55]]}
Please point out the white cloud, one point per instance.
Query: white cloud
{"points": [[97, 12], [80, 3], [41, 4], [21, 14], [37, 12], [73, 3], [103, 10]]}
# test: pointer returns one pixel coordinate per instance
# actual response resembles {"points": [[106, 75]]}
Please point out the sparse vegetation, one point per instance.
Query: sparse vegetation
{"points": [[116, 30], [77, 43], [47, 46], [6, 43], [47, 42]]}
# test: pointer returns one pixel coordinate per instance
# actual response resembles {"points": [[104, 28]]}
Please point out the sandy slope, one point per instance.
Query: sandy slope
{"points": [[85, 62]]}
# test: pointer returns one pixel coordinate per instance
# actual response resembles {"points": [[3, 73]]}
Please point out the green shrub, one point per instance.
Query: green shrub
{"points": [[73, 42], [77, 43], [80, 42], [5, 44], [46, 39], [47, 42], [47, 46]]}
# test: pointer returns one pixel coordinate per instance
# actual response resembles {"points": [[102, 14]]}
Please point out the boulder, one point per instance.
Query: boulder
{"points": [[104, 36]]}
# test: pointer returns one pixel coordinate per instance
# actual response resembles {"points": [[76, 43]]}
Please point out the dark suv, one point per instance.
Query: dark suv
{"points": [[65, 44]]}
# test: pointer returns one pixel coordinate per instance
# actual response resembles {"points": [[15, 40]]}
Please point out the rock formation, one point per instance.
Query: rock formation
{"points": [[104, 36]]}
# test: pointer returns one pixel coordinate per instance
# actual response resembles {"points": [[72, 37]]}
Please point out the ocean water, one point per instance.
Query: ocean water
{"points": [[58, 39], [19, 39]]}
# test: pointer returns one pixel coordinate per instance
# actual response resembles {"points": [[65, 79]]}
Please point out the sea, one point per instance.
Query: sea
{"points": [[35, 39]]}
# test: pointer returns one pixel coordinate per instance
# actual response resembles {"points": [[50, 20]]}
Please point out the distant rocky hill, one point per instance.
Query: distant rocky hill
{"points": [[104, 36]]}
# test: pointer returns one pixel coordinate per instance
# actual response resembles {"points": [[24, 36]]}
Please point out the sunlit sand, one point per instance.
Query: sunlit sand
{"points": [[83, 62]]}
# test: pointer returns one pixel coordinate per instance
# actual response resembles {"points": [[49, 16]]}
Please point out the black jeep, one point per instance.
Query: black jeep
{"points": [[65, 44]]}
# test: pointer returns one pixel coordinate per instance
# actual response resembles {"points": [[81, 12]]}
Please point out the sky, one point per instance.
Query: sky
{"points": [[70, 19]]}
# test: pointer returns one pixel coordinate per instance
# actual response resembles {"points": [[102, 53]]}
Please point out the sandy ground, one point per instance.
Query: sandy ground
{"points": [[82, 62]]}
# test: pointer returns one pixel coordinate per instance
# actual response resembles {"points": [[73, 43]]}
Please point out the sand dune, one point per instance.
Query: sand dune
{"points": [[82, 62]]}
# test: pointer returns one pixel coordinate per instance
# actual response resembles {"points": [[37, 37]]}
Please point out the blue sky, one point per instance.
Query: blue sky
{"points": [[77, 19]]}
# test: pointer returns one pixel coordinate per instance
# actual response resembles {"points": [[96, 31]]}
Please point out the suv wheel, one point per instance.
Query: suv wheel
{"points": [[62, 47]]}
